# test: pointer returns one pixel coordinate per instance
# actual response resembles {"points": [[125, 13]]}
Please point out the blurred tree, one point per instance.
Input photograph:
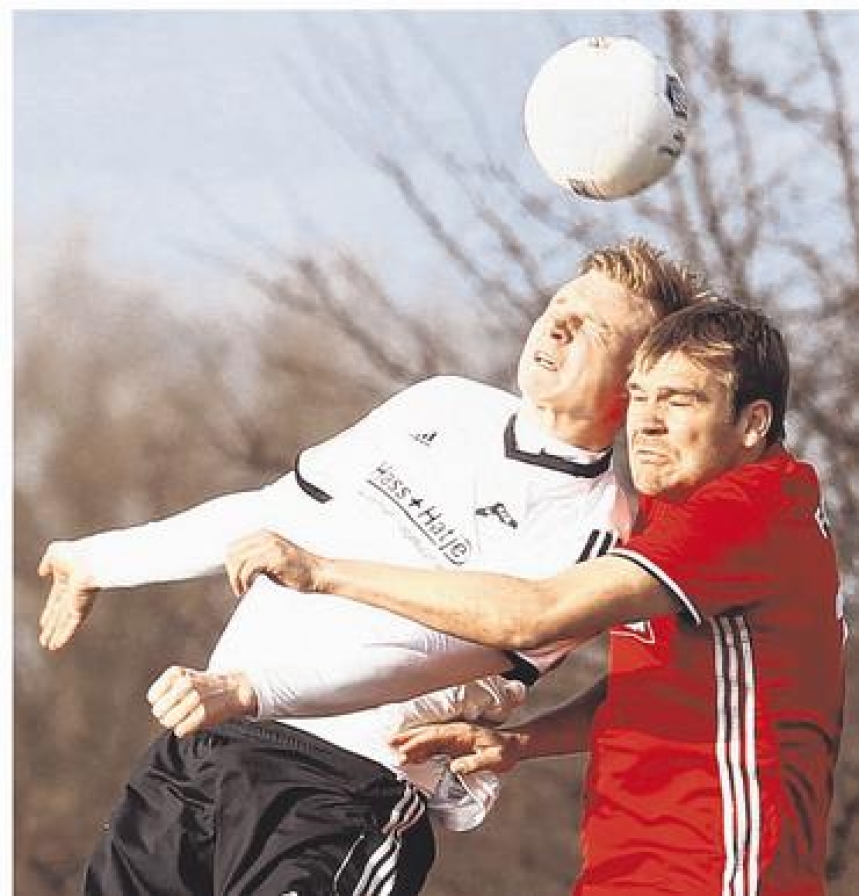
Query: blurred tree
{"points": [[125, 412]]}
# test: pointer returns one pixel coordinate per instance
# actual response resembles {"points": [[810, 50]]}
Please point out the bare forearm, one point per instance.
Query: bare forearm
{"points": [[559, 731], [488, 608], [498, 610]]}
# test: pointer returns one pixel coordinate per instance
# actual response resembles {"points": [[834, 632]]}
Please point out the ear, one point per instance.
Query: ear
{"points": [[756, 419]]}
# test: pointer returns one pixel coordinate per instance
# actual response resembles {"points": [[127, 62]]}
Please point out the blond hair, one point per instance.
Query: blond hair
{"points": [[644, 270]]}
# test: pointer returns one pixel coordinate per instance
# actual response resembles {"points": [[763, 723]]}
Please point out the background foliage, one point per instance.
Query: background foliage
{"points": [[126, 410]]}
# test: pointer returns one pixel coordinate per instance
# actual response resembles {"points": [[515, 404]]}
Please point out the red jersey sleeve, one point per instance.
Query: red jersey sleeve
{"points": [[709, 552]]}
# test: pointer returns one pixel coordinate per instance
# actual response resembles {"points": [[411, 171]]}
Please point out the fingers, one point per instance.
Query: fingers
{"points": [[472, 747], [233, 563], [490, 759], [48, 617], [247, 558], [421, 743], [61, 616], [162, 684], [240, 576], [187, 700], [176, 702], [56, 559], [266, 553], [186, 717], [46, 564], [57, 631], [70, 599]]}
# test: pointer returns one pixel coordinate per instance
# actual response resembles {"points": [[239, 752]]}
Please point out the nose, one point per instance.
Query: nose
{"points": [[646, 416], [562, 328]]}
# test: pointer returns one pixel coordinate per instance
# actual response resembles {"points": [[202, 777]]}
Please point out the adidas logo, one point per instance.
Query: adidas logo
{"points": [[499, 511], [425, 438]]}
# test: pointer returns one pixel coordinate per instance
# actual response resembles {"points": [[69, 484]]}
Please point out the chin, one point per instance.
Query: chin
{"points": [[648, 484], [535, 395], [646, 488]]}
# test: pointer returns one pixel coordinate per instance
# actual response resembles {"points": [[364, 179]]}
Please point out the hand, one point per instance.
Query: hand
{"points": [[472, 747], [71, 598], [187, 700], [268, 554]]}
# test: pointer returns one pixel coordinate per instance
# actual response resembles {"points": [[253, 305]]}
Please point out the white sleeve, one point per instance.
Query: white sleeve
{"points": [[490, 700], [390, 673], [189, 544]]}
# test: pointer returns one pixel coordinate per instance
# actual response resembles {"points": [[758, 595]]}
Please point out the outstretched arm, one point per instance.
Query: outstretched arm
{"points": [[189, 544], [188, 699], [499, 611], [556, 732]]}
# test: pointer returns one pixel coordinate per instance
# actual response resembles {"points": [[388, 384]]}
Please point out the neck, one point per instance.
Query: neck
{"points": [[589, 434]]}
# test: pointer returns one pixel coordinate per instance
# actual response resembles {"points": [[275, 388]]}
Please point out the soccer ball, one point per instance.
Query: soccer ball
{"points": [[605, 117]]}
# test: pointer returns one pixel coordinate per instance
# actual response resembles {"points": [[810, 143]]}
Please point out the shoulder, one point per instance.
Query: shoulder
{"points": [[769, 488], [450, 393], [740, 506], [460, 386]]}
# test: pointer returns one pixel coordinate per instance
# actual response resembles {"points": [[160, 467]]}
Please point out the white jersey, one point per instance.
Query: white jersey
{"points": [[444, 475]]}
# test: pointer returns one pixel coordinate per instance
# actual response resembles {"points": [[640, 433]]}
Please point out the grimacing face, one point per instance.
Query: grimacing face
{"points": [[579, 351], [681, 429]]}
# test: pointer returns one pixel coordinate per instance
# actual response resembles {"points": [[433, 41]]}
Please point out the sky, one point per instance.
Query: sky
{"points": [[173, 136]]}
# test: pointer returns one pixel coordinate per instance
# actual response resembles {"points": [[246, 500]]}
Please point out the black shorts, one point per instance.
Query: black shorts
{"points": [[262, 809]]}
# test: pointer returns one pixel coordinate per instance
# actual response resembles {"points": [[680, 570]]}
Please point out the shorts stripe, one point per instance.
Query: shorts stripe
{"points": [[379, 875]]}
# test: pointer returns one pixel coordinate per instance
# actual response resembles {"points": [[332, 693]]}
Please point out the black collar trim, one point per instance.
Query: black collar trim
{"points": [[550, 461]]}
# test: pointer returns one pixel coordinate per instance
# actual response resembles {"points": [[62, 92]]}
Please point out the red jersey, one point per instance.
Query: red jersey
{"points": [[713, 753]]}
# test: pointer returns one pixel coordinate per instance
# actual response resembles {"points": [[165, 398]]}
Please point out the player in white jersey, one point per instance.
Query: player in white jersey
{"points": [[447, 474]]}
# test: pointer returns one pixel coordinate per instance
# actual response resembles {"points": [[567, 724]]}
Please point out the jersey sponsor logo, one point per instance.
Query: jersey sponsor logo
{"points": [[500, 512], [425, 438], [425, 516]]}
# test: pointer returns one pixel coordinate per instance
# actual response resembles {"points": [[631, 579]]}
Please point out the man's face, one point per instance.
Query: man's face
{"points": [[681, 428], [577, 356]]}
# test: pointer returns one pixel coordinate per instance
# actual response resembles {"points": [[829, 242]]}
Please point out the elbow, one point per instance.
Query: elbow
{"points": [[538, 618], [505, 632], [526, 636], [527, 629]]}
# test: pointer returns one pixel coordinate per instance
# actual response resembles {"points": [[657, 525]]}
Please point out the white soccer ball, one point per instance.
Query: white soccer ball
{"points": [[605, 117]]}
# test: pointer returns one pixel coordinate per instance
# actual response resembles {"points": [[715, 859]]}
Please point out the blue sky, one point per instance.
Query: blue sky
{"points": [[162, 131], [173, 136]]}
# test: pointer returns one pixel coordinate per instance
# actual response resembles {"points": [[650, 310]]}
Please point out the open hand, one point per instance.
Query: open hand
{"points": [[471, 747], [187, 700], [71, 598], [266, 553]]}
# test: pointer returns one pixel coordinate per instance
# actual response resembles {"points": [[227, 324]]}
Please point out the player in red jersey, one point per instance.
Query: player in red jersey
{"points": [[714, 735]]}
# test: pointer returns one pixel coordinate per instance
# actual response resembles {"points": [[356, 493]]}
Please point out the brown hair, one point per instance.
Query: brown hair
{"points": [[733, 340], [644, 270]]}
